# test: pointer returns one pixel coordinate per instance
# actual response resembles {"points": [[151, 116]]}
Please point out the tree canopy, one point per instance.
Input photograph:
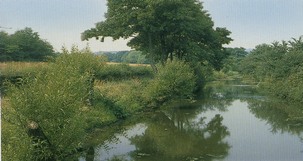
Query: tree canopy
{"points": [[24, 45], [164, 29], [280, 66]]}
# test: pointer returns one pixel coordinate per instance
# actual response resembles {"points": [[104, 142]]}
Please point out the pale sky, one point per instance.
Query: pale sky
{"points": [[61, 22]]}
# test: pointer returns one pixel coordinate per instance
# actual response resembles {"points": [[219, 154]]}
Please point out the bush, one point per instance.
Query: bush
{"points": [[174, 80], [15, 144], [49, 107], [123, 97]]}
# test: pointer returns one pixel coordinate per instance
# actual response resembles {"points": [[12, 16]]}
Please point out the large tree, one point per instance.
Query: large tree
{"points": [[164, 29]]}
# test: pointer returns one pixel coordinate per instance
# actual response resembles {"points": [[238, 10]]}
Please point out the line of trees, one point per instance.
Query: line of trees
{"points": [[135, 57], [24, 45], [280, 66]]}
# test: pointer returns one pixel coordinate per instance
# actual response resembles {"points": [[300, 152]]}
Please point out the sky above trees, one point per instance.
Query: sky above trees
{"points": [[251, 22]]}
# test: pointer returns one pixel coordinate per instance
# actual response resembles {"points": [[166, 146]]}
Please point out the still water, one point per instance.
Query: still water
{"points": [[233, 122]]}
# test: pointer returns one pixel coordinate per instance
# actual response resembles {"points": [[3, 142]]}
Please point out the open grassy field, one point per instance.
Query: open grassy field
{"points": [[17, 68], [21, 67], [114, 63]]}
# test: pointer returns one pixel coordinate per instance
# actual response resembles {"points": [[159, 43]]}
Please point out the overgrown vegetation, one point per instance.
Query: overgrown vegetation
{"points": [[52, 109], [49, 107], [279, 66], [175, 80], [48, 113]]}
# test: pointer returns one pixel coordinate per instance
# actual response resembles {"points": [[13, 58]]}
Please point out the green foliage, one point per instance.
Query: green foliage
{"points": [[24, 45], [14, 71], [175, 80], [55, 99], [134, 57], [123, 71], [279, 66], [15, 144], [164, 29], [102, 113], [114, 56], [203, 74], [232, 62], [81, 60], [123, 97]]}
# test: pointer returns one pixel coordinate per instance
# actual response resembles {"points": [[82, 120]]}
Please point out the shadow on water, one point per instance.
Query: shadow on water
{"points": [[223, 125]]}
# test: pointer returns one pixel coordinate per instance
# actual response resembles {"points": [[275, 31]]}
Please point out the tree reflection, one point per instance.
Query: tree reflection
{"points": [[282, 117], [163, 140], [177, 133]]}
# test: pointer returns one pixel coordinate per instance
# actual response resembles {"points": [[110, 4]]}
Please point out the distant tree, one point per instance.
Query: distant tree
{"points": [[24, 45], [235, 55], [115, 56], [164, 30], [134, 57], [4, 46]]}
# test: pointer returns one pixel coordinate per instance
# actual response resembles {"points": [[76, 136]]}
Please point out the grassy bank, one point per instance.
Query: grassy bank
{"points": [[78, 92]]}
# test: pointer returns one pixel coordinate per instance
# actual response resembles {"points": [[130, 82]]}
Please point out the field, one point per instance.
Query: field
{"points": [[17, 68]]}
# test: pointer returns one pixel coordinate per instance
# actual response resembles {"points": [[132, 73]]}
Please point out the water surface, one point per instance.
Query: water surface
{"points": [[233, 122]]}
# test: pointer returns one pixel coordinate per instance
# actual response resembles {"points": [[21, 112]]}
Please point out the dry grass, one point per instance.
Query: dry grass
{"points": [[6, 65], [19, 67], [134, 65]]}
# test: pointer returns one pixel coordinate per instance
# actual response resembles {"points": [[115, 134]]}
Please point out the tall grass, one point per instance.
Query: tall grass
{"points": [[54, 101], [20, 68]]}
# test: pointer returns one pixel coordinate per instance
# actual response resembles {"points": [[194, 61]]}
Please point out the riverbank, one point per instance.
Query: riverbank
{"points": [[77, 92], [223, 125]]}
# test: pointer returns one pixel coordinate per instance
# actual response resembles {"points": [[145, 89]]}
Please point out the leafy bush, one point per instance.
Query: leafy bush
{"points": [[174, 80], [15, 144], [54, 101]]}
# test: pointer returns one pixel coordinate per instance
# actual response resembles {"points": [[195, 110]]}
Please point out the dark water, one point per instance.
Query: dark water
{"points": [[232, 122]]}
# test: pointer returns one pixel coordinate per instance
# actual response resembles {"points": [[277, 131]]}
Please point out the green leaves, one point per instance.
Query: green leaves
{"points": [[24, 45], [163, 29], [175, 80], [54, 99], [280, 66]]}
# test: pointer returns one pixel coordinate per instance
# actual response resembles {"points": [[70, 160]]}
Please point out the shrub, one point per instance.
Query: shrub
{"points": [[174, 80], [15, 144], [49, 107], [123, 97]]}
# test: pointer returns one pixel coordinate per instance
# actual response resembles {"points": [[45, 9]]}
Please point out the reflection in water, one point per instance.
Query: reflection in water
{"points": [[231, 122], [283, 118], [90, 154], [163, 140]]}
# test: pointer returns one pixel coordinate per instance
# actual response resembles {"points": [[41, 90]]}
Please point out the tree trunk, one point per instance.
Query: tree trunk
{"points": [[152, 61]]}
